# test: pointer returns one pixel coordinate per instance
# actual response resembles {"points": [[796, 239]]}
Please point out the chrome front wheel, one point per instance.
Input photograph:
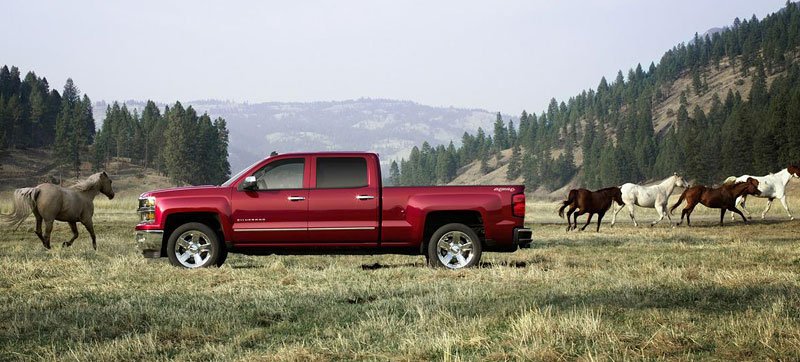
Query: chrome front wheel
{"points": [[193, 245]]}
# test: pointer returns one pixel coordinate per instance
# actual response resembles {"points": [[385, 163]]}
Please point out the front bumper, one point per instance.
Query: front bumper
{"points": [[149, 242], [523, 237]]}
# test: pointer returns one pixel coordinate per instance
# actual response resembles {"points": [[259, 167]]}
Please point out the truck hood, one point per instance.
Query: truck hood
{"points": [[178, 190]]}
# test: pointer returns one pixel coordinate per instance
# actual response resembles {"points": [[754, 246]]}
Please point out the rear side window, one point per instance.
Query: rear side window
{"points": [[341, 172]]}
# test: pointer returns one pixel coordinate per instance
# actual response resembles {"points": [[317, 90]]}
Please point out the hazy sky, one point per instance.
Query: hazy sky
{"points": [[497, 55]]}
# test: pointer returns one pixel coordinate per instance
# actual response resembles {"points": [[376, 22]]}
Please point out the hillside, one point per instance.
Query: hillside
{"points": [[34, 166], [720, 80], [726, 103]]}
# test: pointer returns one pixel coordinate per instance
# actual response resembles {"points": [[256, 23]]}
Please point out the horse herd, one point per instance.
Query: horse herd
{"points": [[49, 202], [732, 193]]}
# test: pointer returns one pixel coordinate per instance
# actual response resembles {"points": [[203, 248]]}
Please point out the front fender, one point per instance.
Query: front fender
{"points": [[217, 205]]}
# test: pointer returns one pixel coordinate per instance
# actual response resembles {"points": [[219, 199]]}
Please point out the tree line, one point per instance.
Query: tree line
{"points": [[179, 143], [610, 128]]}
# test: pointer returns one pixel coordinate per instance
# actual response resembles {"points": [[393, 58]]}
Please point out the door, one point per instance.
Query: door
{"points": [[275, 211], [343, 203]]}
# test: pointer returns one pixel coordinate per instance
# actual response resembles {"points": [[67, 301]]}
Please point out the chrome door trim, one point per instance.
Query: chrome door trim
{"points": [[270, 229], [342, 229]]}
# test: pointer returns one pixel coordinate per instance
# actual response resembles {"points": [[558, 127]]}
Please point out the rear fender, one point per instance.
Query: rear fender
{"points": [[419, 207]]}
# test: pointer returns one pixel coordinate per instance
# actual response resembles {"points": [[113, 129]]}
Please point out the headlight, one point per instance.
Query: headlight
{"points": [[149, 201], [147, 209]]}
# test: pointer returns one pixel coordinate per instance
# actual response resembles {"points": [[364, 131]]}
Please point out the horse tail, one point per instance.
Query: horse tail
{"points": [[570, 199], [680, 199], [24, 202]]}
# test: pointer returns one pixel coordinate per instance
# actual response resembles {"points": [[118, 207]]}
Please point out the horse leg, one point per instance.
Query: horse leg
{"points": [[575, 219], [688, 215], [569, 215], [74, 227], [740, 214], [722, 215], [38, 230], [688, 212], [48, 230], [769, 205], [630, 212], [684, 212], [90, 228], [668, 217], [740, 202], [614, 215], [599, 219], [786, 207], [744, 207], [661, 212], [589, 220]]}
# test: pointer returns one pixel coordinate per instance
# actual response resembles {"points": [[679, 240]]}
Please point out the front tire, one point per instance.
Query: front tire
{"points": [[194, 245], [454, 246]]}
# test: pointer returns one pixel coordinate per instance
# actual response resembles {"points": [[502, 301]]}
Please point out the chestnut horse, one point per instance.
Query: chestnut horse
{"points": [[723, 198], [592, 202]]}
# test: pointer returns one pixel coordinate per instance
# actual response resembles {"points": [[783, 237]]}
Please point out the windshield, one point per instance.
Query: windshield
{"points": [[239, 174]]}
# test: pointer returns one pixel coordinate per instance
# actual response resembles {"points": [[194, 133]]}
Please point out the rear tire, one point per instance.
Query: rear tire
{"points": [[194, 245], [454, 246]]}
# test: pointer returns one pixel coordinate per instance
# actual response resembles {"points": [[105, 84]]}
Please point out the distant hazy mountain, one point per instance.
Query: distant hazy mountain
{"points": [[390, 127]]}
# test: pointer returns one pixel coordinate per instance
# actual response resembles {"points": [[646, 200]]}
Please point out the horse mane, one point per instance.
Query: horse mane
{"points": [[88, 184], [729, 180], [607, 189]]}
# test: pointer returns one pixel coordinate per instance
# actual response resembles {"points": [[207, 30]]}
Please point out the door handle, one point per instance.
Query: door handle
{"points": [[365, 197], [296, 198]]}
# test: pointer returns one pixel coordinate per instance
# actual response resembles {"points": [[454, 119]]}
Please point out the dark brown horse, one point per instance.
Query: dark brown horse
{"points": [[723, 197], [49, 202], [592, 202]]}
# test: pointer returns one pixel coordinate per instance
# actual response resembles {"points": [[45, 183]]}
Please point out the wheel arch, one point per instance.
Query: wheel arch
{"points": [[436, 219]]}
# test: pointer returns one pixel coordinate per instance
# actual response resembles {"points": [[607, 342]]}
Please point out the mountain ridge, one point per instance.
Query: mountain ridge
{"points": [[386, 126]]}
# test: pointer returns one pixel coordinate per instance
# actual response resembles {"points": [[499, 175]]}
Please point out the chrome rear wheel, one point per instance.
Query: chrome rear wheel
{"points": [[454, 246]]}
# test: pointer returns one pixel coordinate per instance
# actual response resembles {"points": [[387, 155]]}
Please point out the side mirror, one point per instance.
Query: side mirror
{"points": [[249, 183]]}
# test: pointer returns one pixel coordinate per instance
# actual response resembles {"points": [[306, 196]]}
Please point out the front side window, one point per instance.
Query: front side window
{"points": [[281, 175], [341, 172]]}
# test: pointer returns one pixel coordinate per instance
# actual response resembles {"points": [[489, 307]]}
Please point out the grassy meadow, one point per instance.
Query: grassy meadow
{"points": [[706, 292]]}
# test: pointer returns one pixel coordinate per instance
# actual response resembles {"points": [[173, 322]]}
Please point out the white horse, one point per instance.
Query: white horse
{"points": [[655, 196], [772, 186]]}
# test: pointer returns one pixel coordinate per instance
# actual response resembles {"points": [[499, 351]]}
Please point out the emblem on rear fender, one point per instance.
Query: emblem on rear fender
{"points": [[501, 189]]}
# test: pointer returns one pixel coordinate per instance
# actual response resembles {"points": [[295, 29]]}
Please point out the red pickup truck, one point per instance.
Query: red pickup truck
{"points": [[329, 203]]}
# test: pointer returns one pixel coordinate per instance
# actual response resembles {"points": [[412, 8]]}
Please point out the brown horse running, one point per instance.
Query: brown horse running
{"points": [[592, 202], [723, 198], [50, 202]]}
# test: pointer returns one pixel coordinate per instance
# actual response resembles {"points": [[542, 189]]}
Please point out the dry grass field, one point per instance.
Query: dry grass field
{"points": [[706, 292]]}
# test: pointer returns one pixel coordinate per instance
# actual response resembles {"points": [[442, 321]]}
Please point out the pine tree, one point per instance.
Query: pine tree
{"points": [[512, 134], [152, 128], [500, 133], [222, 167], [484, 158], [514, 164], [86, 122], [176, 145], [394, 174], [69, 129]]}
